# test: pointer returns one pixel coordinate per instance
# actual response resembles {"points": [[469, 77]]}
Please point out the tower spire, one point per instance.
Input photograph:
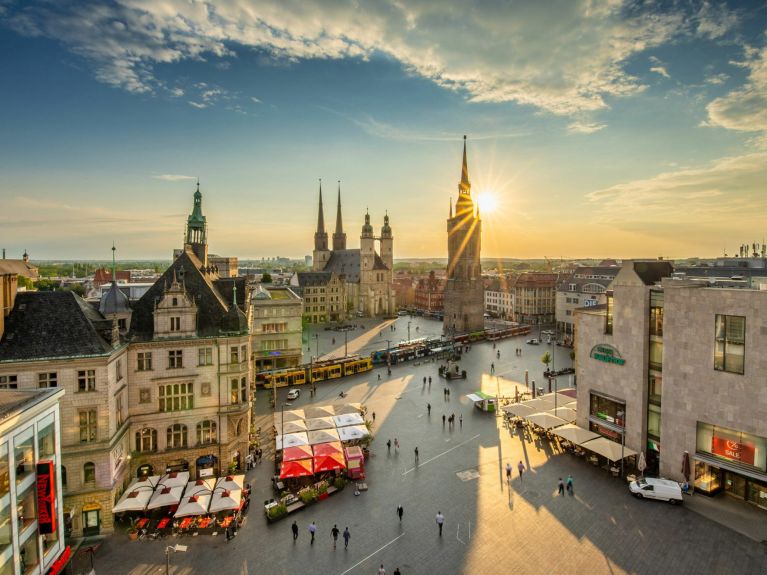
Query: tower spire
{"points": [[320, 236], [465, 185], [320, 215], [114, 267], [339, 237]]}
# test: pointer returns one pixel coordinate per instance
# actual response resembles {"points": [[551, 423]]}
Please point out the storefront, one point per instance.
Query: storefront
{"points": [[91, 519], [732, 462], [207, 466], [607, 416]]}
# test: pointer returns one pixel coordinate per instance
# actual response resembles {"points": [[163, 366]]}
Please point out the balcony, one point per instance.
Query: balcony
{"points": [[239, 367], [234, 408]]}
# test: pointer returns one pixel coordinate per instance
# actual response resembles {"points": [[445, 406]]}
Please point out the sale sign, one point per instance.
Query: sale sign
{"points": [[734, 450]]}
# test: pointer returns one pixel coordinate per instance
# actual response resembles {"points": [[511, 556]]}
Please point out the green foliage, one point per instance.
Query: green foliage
{"points": [[308, 495], [546, 358], [339, 483], [76, 288], [25, 282], [47, 285], [322, 487], [277, 512], [266, 278]]}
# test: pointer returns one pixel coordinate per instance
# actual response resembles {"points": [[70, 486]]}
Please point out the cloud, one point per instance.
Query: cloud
{"points": [[174, 177], [387, 131], [585, 127], [744, 109], [198, 105], [717, 79], [256, 100], [660, 70], [564, 57]]}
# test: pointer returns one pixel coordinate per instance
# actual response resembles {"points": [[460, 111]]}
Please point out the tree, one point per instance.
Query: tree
{"points": [[546, 358], [266, 278], [25, 282], [46, 285], [77, 288]]}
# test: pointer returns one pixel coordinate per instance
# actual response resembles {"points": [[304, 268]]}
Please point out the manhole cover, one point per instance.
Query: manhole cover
{"points": [[468, 475]]}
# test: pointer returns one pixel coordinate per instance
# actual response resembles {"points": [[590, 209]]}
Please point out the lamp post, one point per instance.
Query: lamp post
{"points": [[311, 373], [408, 332], [317, 346], [346, 343], [172, 549]]}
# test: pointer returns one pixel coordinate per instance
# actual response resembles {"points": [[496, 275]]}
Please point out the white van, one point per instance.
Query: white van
{"points": [[651, 488]]}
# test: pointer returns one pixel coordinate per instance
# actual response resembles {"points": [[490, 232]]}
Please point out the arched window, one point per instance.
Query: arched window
{"points": [[177, 436], [146, 440], [89, 472], [206, 432]]}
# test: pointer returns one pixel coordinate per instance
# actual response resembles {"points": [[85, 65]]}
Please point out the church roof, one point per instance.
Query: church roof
{"points": [[310, 279], [114, 301], [52, 325], [345, 263]]}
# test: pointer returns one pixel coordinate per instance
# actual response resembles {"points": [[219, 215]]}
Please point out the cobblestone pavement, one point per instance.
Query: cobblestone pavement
{"points": [[489, 527]]}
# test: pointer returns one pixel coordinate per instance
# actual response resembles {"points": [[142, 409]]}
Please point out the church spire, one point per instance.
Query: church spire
{"points": [[339, 237], [320, 214], [114, 267], [465, 186], [197, 229], [321, 236]]}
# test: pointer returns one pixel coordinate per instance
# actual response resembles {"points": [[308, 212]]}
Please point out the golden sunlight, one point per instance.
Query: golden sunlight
{"points": [[488, 202]]}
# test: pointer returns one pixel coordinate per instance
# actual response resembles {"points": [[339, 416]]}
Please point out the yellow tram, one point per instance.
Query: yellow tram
{"points": [[321, 371]]}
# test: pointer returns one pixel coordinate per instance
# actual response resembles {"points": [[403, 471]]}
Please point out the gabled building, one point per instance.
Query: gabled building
{"points": [[430, 294], [535, 298]]}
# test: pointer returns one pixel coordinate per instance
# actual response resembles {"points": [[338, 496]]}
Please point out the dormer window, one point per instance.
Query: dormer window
{"points": [[175, 301]]}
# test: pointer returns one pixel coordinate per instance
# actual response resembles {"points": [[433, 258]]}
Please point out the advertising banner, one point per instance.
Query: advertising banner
{"points": [[46, 497], [732, 450]]}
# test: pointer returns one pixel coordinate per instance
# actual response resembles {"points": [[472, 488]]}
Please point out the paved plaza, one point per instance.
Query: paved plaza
{"points": [[490, 527]]}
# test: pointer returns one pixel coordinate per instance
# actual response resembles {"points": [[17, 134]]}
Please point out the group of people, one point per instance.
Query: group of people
{"points": [[446, 393], [450, 419], [334, 533], [518, 351], [254, 457]]}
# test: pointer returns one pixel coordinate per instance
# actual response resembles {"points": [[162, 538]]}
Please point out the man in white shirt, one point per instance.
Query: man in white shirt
{"points": [[440, 520]]}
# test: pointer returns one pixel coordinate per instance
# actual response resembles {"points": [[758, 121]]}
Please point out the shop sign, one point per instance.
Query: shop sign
{"points": [[606, 432], [607, 353], [46, 497], [733, 450]]}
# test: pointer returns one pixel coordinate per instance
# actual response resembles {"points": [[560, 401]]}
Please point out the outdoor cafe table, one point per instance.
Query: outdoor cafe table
{"points": [[204, 522], [186, 522], [163, 523], [141, 523], [227, 521]]}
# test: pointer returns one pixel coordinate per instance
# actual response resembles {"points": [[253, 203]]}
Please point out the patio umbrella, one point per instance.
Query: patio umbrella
{"points": [[353, 432], [545, 420], [296, 426], [327, 448], [329, 462], [342, 409], [137, 495], [575, 434], [230, 483], [291, 440], [316, 411], [323, 436], [686, 466], [292, 415], [300, 468], [196, 504], [320, 423], [297, 452], [563, 412], [348, 419], [540, 404], [518, 409], [174, 479], [641, 464], [166, 496], [612, 450], [224, 500]]}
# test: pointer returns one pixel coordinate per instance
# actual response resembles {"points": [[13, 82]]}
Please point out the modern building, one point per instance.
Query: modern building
{"points": [[499, 297], [535, 297], [674, 366], [586, 286], [275, 327], [32, 526], [430, 294], [367, 274], [464, 300]]}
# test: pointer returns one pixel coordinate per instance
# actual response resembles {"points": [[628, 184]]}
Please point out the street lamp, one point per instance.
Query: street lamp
{"points": [[346, 343], [408, 332], [177, 548], [317, 346]]}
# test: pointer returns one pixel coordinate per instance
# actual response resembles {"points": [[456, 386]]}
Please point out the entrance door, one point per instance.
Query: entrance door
{"points": [[91, 522], [757, 493], [735, 485]]}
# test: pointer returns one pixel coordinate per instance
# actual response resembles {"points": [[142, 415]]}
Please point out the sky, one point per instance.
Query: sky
{"points": [[622, 129]]}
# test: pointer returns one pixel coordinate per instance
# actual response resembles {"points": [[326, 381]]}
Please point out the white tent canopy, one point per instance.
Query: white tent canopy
{"points": [[137, 495], [323, 436], [342, 409], [224, 500], [285, 415], [563, 412], [575, 434], [292, 440], [196, 504], [540, 403], [320, 423], [348, 419], [352, 432], [518, 409], [166, 496], [609, 449], [316, 411], [174, 479], [545, 420], [296, 426], [230, 483]]}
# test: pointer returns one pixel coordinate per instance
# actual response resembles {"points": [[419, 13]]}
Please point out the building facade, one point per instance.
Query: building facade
{"points": [[367, 273], [275, 327], [430, 294], [324, 295], [464, 299], [585, 287], [499, 297], [534, 297], [31, 508], [657, 364]]}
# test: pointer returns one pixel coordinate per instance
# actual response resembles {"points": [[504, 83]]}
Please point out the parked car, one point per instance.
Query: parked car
{"points": [[294, 393], [533, 341], [662, 489]]}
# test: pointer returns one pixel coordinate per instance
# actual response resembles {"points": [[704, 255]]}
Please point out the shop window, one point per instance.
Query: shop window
{"points": [[729, 354], [26, 507], [46, 438], [86, 380], [24, 454], [609, 313], [608, 410], [28, 555], [89, 473]]}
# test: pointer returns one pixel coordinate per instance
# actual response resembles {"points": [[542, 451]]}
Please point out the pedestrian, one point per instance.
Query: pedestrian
{"points": [[374, 416], [424, 380], [388, 445], [460, 420], [561, 490], [440, 520], [443, 420], [312, 531], [334, 532], [448, 394], [570, 489], [429, 380], [452, 420], [416, 454], [229, 535], [294, 528], [381, 570], [508, 472], [400, 512], [379, 377], [396, 444], [346, 538], [428, 408], [521, 467], [396, 571]]}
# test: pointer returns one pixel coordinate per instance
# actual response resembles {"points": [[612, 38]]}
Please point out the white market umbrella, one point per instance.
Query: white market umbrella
{"points": [[292, 440], [296, 426], [575, 434], [193, 505], [342, 409], [642, 463], [545, 420], [285, 416], [174, 479], [230, 483], [540, 403], [518, 409], [323, 436], [166, 496], [224, 500], [316, 411], [200, 486], [348, 419], [137, 496], [564, 413], [353, 432], [320, 423], [609, 449]]}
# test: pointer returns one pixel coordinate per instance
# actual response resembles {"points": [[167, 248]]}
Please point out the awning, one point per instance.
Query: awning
{"points": [[572, 405], [323, 436], [474, 397], [174, 479], [348, 419], [609, 449], [320, 423], [329, 463], [353, 432], [563, 412], [296, 453], [292, 440], [518, 409], [540, 403], [224, 500], [545, 420], [344, 408], [296, 426], [230, 483], [199, 486], [316, 411], [300, 468], [193, 505], [575, 434], [166, 496], [327, 448], [137, 495], [740, 469]]}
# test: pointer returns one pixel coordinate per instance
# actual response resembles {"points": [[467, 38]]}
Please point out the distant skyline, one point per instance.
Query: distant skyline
{"points": [[597, 129]]}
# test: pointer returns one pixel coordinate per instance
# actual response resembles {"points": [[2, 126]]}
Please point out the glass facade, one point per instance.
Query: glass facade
{"points": [[730, 343]]}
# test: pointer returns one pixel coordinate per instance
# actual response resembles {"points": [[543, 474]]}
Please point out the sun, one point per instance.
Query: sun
{"points": [[487, 202]]}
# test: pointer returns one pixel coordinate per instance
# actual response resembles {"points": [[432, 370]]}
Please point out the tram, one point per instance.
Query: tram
{"points": [[314, 372]]}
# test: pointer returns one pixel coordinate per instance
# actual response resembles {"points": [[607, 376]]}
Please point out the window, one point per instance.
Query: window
{"points": [[24, 453], [122, 325], [87, 425], [144, 361], [119, 369], [86, 380], [145, 395], [608, 410], [176, 397], [146, 440], [47, 380], [175, 324], [175, 359], [63, 476], [206, 432], [46, 438], [609, 314], [26, 508], [9, 382], [729, 354], [119, 409], [205, 356], [656, 313], [234, 355], [239, 390], [656, 355], [177, 436], [656, 388], [653, 422], [89, 472], [5, 476], [175, 301]]}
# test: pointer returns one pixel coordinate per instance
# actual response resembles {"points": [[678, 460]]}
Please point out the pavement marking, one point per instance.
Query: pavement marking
{"points": [[373, 553], [443, 453], [468, 475]]}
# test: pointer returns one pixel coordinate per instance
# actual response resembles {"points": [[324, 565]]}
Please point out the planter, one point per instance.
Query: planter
{"points": [[133, 535], [323, 496]]}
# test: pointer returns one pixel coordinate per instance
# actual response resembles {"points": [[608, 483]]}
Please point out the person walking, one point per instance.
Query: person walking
{"points": [[570, 489], [443, 420], [429, 380], [460, 420], [374, 417], [561, 490], [424, 380], [440, 521], [346, 536], [294, 528], [508, 472], [312, 531], [521, 467], [388, 445], [428, 408], [381, 570], [400, 512], [416, 454], [334, 532], [397, 572], [396, 444]]}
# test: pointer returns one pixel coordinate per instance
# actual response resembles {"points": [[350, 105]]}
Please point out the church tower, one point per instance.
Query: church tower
{"points": [[464, 292], [387, 244], [320, 255], [339, 237], [197, 229]]}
